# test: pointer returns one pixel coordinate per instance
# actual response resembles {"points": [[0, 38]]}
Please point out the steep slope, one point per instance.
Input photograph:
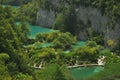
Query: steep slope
{"points": [[93, 18]]}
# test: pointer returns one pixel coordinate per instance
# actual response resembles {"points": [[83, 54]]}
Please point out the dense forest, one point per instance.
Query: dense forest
{"points": [[47, 56]]}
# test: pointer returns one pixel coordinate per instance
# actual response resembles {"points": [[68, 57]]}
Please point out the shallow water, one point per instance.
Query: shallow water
{"points": [[85, 72], [12, 6], [44, 45], [79, 44], [34, 30], [38, 29]]}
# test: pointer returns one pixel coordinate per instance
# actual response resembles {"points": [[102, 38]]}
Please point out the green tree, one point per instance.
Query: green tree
{"points": [[55, 72], [111, 72], [4, 75], [64, 41], [66, 20], [15, 59], [90, 52], [45, 55], [21, 76]]}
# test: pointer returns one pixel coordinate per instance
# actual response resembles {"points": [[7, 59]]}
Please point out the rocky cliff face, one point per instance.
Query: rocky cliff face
{"points": [[45, 18], [97, 21]]}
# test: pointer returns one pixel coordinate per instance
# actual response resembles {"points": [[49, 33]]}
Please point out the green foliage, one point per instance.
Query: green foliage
{"points": [[43, 3], [4, 57], [47, 37], [13, 58], [96, 36], [110, 72], [66, 20], [21, 76], [29, 11], [91, 43], [105, 52], [110, 56], [90, 52], [4, 75], [117, 48], [24, 32], [42, 37], [107, 7], [111, 43], [12, 68], [60, 22], [8, 37], [14, 2], [64, 41], [55, 72], [45, 55], [58, 39], [59, 42]]}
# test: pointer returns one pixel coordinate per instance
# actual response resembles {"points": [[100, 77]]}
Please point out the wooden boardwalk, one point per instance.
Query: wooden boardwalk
{"points": [[74, 66], [84, 65]]}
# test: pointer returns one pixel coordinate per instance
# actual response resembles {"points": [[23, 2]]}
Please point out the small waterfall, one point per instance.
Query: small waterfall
{"points": [[101, 60]]}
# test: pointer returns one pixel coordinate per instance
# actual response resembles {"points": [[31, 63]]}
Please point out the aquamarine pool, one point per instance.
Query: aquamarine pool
{"points": [[38, 29], [34, 30], [12, 6], [85, 72]]}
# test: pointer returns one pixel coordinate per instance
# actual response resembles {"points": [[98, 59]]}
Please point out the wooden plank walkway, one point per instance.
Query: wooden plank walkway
{"points": [[74, 66], [84, 65]]}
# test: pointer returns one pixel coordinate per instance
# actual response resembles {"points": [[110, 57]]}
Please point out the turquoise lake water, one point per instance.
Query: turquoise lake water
{"points": [[79, 44], [12, 6], [38, 29], [34, 30], [85, 72], [44, 45]]}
